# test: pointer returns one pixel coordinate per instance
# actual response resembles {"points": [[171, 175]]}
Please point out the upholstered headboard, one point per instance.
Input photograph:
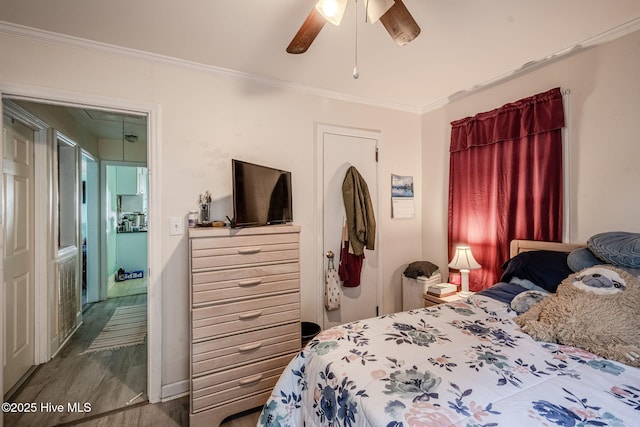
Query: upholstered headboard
{"points": [[519, 246]]}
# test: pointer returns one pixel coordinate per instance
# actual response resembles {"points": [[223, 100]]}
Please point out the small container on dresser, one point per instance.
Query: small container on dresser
{"points": [[245, 316]]}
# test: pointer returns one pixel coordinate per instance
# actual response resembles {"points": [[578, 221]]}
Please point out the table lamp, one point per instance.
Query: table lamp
{"points": [[464, 261]]}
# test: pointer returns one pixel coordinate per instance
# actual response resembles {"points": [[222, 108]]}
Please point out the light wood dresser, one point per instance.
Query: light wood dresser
{"points": [[245, 316]]}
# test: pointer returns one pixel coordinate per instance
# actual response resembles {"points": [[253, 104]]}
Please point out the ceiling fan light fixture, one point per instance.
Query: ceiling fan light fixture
{"points": [[332, 10], [376, 8], [393, 15]]}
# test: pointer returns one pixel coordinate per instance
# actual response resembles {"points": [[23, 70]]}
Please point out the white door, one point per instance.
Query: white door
{"points": [[18, 256], [342, 148]]}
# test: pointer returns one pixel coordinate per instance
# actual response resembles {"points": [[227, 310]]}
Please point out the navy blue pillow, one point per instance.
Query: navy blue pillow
{"points": [[543, 268]]}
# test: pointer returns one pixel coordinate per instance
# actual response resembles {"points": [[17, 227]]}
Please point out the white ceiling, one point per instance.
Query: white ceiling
{"points": [[463, 44]]}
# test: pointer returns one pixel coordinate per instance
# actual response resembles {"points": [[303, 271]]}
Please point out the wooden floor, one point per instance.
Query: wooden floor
{"points": [[127, 287], [106, 380], [173, 413]]}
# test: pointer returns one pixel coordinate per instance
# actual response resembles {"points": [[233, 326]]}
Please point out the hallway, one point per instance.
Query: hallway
{"points": [[127, 287], [94, 382]]}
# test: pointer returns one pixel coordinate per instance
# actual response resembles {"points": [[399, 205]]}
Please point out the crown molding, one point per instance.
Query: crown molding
{"points": [[77, 42], [597, 40], [90, 45]]}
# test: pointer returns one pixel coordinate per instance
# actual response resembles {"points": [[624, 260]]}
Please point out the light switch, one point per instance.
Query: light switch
{"points": [[177, 226]]}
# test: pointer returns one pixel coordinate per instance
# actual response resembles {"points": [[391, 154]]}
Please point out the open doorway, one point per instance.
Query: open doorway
{"points": [[126, 207], [111, 378]]}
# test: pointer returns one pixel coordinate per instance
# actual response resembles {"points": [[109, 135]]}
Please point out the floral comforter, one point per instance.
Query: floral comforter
{"points": [[459, 364]]}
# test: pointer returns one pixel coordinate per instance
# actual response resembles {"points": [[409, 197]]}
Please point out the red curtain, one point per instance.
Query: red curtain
{"points": [[505, 180]]}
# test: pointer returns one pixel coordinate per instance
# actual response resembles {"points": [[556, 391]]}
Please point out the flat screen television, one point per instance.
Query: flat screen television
{"points": [[261, 195]]}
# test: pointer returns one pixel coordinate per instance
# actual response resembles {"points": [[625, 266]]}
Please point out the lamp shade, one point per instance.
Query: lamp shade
{"points": [[332, 10], [463, 259]]}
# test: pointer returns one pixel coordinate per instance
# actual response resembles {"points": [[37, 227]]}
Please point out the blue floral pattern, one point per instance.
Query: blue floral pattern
{"points": [[453, 364]]}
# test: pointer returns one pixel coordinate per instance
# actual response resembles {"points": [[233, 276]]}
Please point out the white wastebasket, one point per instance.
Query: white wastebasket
{"points": [[413, 289]]}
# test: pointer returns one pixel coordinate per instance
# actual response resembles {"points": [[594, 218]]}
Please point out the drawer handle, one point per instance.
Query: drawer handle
{"points": [[250, 380], [249, 251], [250, 315], [250, 347], [251, 282]]}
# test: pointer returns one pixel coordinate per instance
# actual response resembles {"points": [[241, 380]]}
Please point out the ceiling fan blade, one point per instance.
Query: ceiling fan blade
{"points": [[400, 24], [307, 33]]}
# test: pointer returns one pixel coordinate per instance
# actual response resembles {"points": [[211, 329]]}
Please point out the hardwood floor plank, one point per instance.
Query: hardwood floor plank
{"points": [[174, 413], [106, 380], [246, 419], [169, 414]]}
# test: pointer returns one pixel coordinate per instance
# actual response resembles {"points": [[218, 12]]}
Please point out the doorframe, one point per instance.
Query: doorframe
{"points": [[320, 130], [59, 140], [154, 235], [93, 223]]}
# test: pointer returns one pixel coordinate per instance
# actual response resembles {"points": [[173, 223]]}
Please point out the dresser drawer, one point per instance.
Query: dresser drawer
{"points": [[224, 319], [220, 285], [229, 385], [243, 250], [244, 348], [245, 257], [203, 244]]}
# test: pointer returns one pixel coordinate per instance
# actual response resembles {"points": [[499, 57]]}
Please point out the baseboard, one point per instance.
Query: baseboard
{"points": [[175, 390]]}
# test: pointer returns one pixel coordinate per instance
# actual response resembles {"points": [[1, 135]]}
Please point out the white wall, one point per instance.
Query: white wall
{"points": [[205, 120], [604, 108]]}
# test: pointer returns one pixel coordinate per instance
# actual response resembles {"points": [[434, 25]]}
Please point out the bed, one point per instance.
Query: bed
{"points": [[464, 363]]}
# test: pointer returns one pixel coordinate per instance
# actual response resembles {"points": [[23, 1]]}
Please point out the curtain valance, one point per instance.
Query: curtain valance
{"points": [[529, 116]]}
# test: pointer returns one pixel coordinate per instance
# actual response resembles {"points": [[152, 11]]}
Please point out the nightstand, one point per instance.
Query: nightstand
{"points": [[430, 300]]}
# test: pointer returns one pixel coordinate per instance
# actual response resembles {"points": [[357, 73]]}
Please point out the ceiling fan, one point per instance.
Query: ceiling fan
{"points": [[393, 14]]}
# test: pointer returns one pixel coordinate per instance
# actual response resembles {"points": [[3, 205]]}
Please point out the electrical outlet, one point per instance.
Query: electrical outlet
{"points": [[176, 227]]}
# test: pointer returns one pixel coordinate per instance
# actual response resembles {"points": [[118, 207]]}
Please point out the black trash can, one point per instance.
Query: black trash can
{"points": [[309, 331]]}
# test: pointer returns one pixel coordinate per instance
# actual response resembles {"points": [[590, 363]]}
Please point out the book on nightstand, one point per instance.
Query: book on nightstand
{"points": [[442, 289]]}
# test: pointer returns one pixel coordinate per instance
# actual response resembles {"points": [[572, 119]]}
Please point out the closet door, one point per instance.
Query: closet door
{"points": [[342, 148]]}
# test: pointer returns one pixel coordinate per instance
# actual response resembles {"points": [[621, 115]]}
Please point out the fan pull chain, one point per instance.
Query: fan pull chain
{"points": [[356, 73], [366, 11]]}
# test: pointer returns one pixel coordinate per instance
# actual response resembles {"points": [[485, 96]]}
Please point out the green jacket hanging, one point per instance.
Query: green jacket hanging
{"points": [[361, 221]]}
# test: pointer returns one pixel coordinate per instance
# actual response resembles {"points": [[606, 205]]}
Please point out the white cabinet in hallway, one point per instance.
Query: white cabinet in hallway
{"points": [[126, 180], [131, 180]]}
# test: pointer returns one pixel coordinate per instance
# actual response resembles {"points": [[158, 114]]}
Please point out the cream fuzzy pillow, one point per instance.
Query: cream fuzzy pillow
{"points": [[596, 309]]}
